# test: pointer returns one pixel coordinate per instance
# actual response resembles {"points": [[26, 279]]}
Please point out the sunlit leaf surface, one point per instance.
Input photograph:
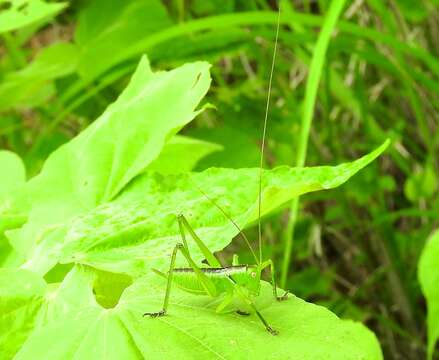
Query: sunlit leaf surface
{"points": [[70, 323], [93, 167]]}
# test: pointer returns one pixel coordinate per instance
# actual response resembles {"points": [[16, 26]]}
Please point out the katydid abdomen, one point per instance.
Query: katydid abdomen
{"points": [[225, 279]]}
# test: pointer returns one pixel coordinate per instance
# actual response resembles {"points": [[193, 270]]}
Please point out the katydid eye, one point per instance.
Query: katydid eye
{"points": [[253, 274]]}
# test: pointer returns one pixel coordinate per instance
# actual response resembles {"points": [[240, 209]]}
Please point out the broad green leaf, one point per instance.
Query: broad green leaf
{"points": [[27, 303], [16, 14], [107, 27], [138, 230], [186, 151], [21, 295], [8, 257], [428, 273], [193, 329], [32, 85], [93, 167]]}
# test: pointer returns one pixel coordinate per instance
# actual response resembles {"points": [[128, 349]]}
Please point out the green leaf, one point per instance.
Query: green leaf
{"points": [[32, 85], [240, 145], [96, 165], [421, 184], [428, 274], [138, 230], [192, 329], [28, 303], [20, 301], [20, 13], [108, 287], [209, 46], [105, 28], [188, 151], [12, 165]]}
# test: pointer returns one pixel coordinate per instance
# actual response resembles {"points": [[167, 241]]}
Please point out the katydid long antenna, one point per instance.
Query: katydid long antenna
{"points": [[258, 261], [264, 131]]}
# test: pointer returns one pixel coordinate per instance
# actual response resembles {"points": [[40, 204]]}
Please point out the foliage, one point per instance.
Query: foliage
{"points": [[101, 195], [193, 329], [33, 85], [96, 203], [20, 13]]}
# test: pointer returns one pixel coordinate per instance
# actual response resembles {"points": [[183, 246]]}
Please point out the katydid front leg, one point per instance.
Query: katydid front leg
{"points": [[273, 280], [259, 315]]}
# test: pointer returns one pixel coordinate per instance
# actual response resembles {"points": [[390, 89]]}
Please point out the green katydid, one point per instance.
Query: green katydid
{"points": [[240, 282], [236, 282]]}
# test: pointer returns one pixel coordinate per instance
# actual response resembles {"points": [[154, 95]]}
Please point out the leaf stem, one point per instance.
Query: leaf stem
{"points": [[312, 84], [252, 19]]}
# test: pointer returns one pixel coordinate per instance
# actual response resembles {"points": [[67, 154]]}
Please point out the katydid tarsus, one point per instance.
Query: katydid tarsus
{"points": [[241, 282]]}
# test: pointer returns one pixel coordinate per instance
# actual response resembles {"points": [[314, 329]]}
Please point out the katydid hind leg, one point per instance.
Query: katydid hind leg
{"points": [[208, 285], [168, 286], [204, 280], [228, 298], [210, 257], [271, 330]]}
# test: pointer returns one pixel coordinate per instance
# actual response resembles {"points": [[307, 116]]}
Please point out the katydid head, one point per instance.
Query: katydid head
{"points": [[250, 279]]}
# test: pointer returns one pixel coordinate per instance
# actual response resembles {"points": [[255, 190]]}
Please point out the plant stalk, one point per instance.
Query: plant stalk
{"points": [[312, 84]]}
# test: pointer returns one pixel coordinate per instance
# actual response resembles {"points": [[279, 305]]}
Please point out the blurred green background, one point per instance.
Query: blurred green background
{"points": [[355, 249]]}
